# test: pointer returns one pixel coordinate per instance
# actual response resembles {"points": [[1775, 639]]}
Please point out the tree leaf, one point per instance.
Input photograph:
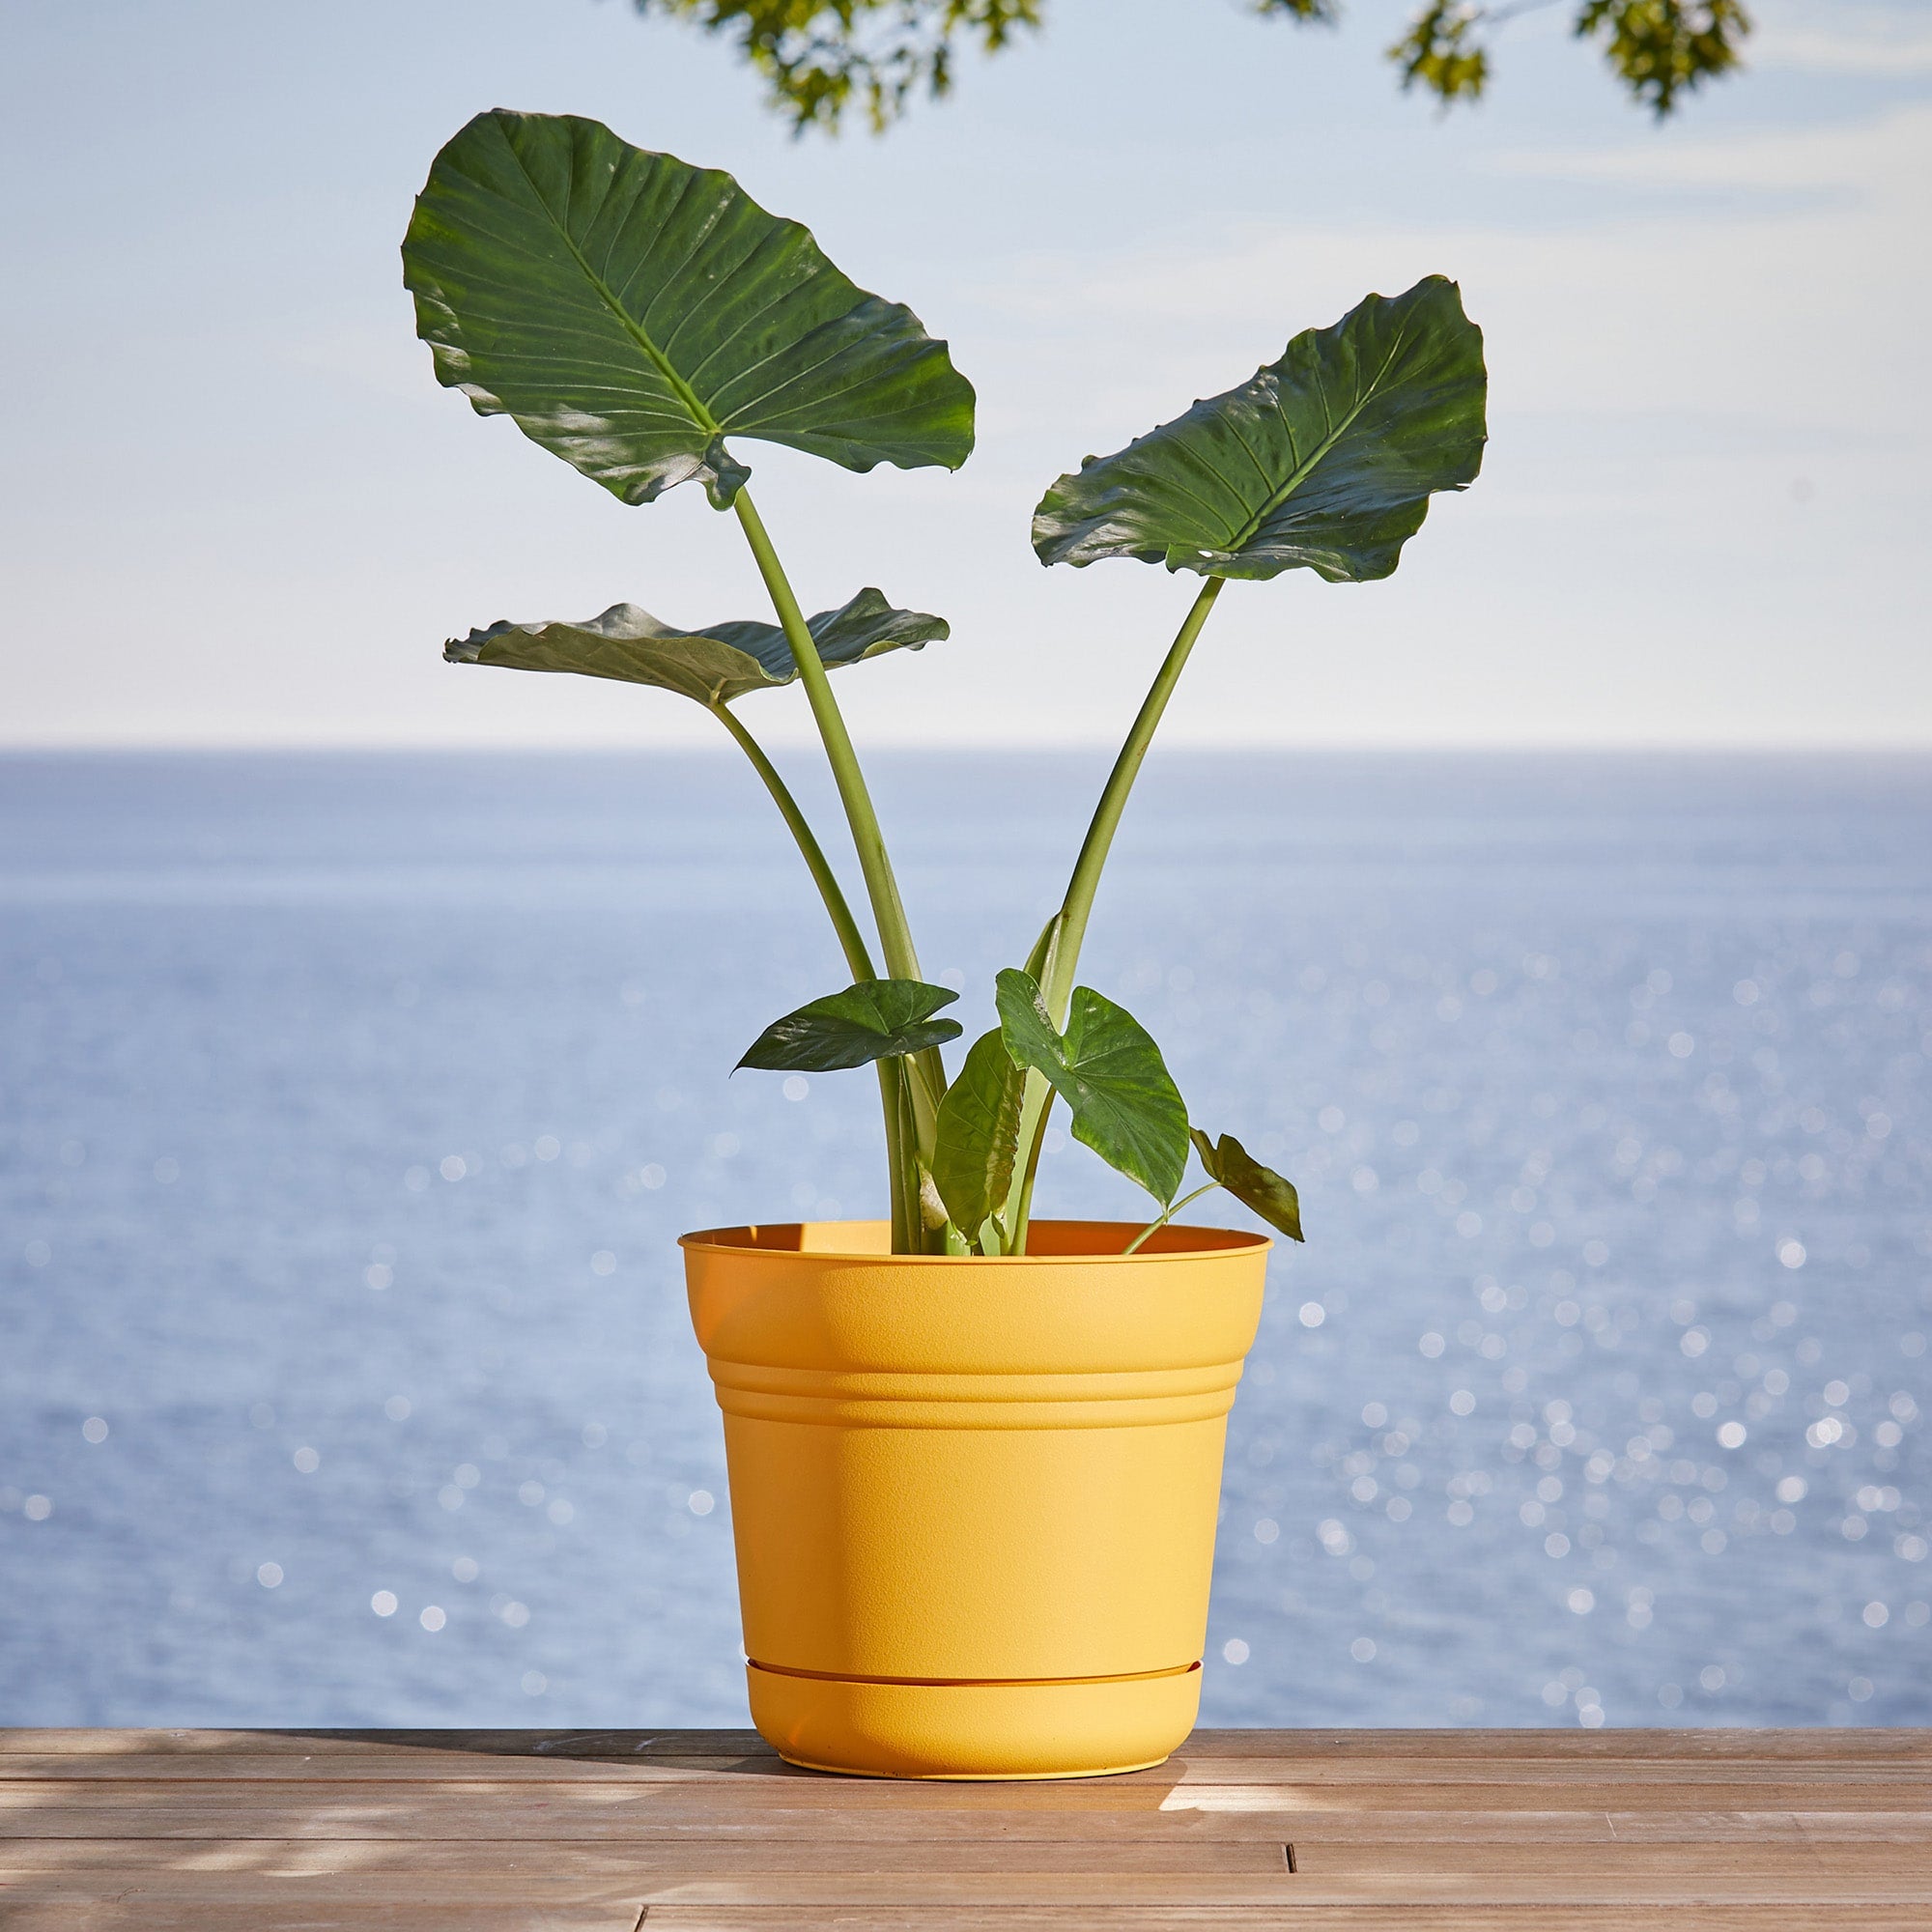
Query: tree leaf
{"points": [[1325, 459], [1663, 47], [874, 1020], [1441, 48], [629, 311], [977, 1136], [820, 60], [1272, 1197], [1110, 1074], [713, 665]]}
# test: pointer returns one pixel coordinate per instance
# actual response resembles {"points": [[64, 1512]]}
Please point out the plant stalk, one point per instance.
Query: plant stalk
{"points": [[1081, 887], [903, 1171], [881, 887], [1064, 956], [851, 942], [1154, 1227], [924, 1080]]}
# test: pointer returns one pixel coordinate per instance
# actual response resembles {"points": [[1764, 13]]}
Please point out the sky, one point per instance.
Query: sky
{"points": [[236, 510]]}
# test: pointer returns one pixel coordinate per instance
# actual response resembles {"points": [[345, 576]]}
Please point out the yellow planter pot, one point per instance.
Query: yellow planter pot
{"points": [[975, 1499]]}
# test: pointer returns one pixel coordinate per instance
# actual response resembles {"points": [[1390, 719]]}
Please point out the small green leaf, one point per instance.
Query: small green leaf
{"points": [[1110, 1074], [1323, 459], [712, 666], [1252, 1184], [977, 1135], [874, 1020], [628, 312]]}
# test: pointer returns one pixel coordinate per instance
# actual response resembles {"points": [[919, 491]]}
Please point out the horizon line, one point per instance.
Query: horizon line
{"points": [[1917, 746]]}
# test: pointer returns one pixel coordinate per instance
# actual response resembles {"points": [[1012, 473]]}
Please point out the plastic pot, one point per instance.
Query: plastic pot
{"points": [[975, 1499]]}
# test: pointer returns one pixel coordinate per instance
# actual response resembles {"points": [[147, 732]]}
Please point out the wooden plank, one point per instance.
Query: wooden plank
{"points": [[110, 1812], [644, 1857], [1167, 1841], [1581, 1777], [1703, 1859], [614, 1897], [763, 1784], [985, 1890], [367, 1766], [310, 1742], [1504, 1747], [1546, 1888], [1363, 1916], [1629, 1794], [584, 1831], [1043, 1874], [1622, 1828], [116, 1811], [1515, 1745], [322, 1915], [364, 1764]]}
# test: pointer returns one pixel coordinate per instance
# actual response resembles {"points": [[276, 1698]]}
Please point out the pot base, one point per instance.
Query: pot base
{"points": [[1065, 1727]]}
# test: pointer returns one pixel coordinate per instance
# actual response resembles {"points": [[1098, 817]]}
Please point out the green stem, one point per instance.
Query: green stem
{"points": [[925, 1075], [1062, 955], [902, 1175], [1081, 887], [852, 942], [1036, 1105], [881, 887], [1154, 1227]]}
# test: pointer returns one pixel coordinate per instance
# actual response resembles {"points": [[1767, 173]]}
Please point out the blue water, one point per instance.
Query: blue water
{"points": [[349, 1106]]}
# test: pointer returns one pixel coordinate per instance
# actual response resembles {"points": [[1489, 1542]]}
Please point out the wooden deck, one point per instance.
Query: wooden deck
{"points": [[677, 1830]]}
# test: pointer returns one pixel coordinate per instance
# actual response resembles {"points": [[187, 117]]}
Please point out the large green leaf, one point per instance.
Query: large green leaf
{"points": [[1326, 459], [715, 665], [874, 1020], [1270, 1194], [629, 311], [1111, 1075], [978, 1135]]}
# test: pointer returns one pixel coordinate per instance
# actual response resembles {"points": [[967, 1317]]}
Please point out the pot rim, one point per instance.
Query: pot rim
{"points": [[1178, 1241]]}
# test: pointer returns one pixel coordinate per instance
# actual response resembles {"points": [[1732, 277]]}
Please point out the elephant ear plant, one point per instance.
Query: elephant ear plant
{"points": [[637, 316]]}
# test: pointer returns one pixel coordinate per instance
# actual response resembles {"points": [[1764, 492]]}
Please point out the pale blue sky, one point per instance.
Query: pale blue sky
{"points": [[234, 508]]}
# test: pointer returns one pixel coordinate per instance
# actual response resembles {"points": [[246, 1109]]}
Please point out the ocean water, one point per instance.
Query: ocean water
{"points": [[349, 1107]]}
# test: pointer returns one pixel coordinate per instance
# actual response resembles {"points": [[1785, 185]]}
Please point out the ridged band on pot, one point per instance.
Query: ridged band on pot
{"points": [[975, 1499]]}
